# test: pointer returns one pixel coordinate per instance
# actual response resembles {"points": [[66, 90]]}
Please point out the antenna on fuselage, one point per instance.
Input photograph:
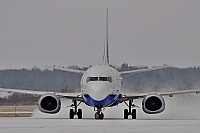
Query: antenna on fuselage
{"points": [[106, 56]]}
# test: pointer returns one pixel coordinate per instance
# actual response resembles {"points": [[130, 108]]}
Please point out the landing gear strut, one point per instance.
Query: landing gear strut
{"points": [[128, 111], [74, 111], [99, 114]]}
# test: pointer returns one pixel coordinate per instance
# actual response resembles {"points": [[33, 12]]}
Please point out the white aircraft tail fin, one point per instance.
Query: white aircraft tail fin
{"points": [[106, 56]]}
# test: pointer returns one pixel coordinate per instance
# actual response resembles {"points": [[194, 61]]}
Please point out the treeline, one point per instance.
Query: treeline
{"points": [[37, 79], [169, 79], [18, 99]]}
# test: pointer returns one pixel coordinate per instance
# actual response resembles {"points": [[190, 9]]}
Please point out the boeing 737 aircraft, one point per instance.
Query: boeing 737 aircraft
{"points": [[101, 87]]}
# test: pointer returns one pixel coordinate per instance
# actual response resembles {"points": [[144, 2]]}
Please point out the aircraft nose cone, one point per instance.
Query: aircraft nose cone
{"points": [[99, 91]]}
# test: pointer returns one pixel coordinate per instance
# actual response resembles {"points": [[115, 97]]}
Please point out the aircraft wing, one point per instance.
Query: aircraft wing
{"points": [[72, 96], [67, 70], [170, 94], [142, 70], [129, 96]]}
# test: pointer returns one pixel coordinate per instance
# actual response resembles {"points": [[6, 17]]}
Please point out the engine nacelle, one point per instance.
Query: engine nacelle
{"points": [[153, 104], [49, 103]]}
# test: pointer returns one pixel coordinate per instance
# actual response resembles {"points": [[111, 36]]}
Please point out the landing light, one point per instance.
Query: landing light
{"points": [[79, 95], [123, 95]]}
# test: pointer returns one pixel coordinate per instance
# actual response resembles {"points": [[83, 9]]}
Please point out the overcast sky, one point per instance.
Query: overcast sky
{"points": [[71, 32]]}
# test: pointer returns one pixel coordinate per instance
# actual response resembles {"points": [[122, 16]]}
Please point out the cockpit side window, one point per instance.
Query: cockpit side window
{"points": [[110, 79]]}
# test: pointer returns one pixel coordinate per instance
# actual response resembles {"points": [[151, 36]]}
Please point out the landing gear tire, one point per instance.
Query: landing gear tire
{"points": [[71, 114], [75, 111], [133, 114], [79, 113], [126, 114], [99, 115], [128, 111]]}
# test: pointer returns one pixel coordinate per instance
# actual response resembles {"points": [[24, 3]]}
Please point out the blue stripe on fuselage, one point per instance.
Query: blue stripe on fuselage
{"points": [[110, 100]]}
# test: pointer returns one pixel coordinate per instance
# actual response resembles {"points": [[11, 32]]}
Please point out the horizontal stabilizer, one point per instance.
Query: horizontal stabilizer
{"points": [[67, 70], [142, 70]]}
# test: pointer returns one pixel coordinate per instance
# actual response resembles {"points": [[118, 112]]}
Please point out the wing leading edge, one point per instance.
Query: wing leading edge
{"points": [[142, 95]]}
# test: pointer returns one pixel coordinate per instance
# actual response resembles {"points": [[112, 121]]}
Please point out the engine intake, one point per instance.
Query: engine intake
{"points": [[49, 103], [153, 104]]}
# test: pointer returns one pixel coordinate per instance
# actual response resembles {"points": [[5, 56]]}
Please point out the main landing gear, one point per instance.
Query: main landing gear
{"points": [[128, 111], [99, 114], [73, 112]]}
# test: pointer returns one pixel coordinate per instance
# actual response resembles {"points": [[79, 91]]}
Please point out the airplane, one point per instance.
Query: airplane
{"points": [[102, 87]]}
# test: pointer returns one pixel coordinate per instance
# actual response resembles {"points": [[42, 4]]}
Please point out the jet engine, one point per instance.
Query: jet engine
{"points": [[49, 103], [153, 104]]}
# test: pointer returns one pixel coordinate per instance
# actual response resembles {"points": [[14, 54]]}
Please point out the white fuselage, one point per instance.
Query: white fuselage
{"points": [[100, 81]]}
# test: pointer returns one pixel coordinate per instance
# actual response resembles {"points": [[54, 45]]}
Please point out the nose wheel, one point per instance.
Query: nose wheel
{"points": [[99, 114]]}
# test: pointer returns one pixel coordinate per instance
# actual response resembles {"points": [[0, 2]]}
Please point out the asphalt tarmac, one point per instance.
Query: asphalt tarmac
{"points": [[55, 125], [180, 116]]}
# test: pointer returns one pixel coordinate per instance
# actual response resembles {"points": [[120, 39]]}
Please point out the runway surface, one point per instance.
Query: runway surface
{"points": [[180, 116], [35, 125]]}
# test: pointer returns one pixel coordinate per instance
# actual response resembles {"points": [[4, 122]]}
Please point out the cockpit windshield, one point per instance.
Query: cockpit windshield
{"points": [[93, 78], [109, 79], [103, 78]]}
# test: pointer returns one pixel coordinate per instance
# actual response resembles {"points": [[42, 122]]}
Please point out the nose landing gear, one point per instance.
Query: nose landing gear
{"points": [[99, 114]]}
